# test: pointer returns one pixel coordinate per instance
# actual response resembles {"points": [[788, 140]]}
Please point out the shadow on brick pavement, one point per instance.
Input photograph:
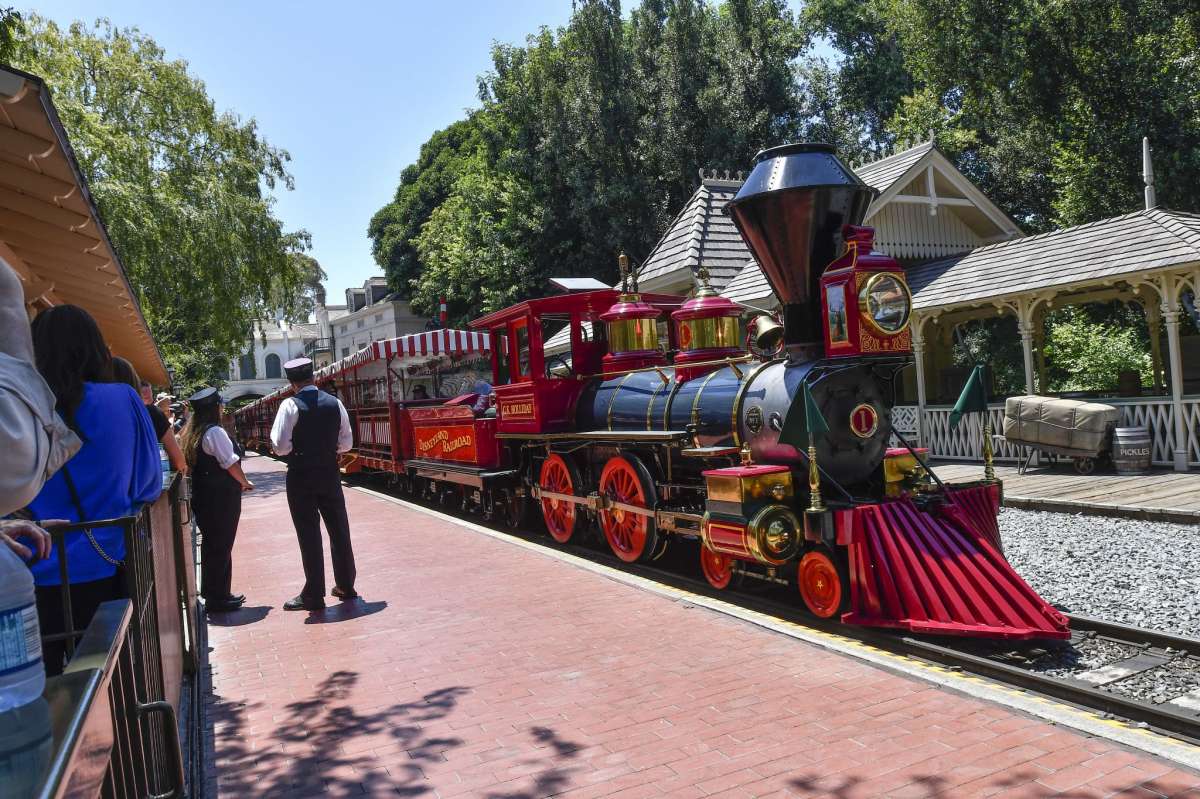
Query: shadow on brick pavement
{"points": [[309, 757]]}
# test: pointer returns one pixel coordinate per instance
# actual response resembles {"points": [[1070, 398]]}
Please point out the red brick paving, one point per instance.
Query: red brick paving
{"points": [[480, 669]]}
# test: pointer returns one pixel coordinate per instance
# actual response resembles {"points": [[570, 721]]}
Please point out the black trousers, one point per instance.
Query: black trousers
{"points": [[315, 494], [85, 598], [218, 508]]}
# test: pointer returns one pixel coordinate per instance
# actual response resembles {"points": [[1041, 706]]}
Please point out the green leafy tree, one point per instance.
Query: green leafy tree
{"points": [[587, 140], [184, 190], [1086, 355]]}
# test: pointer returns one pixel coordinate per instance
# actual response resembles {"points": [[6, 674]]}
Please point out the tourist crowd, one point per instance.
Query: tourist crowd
{"points": [[81, 433]]}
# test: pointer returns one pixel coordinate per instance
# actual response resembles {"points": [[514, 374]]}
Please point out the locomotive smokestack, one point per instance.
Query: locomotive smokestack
{"points": [[790, 212]]}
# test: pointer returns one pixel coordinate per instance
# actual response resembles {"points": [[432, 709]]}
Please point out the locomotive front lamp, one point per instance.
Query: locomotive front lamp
{"points": [[774, 535], [865, 300], [885, 303]]}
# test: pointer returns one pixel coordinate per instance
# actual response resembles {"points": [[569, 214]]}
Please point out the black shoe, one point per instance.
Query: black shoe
{"points": [[238, 598], [300, 603], [221, 605], [343, 594]]}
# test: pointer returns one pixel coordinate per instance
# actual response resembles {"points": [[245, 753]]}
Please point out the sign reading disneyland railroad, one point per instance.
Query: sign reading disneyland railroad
{"points": [[454, 442]]}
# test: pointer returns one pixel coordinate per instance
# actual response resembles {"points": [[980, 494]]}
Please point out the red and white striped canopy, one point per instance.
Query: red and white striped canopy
{"points": [[415, 347]]}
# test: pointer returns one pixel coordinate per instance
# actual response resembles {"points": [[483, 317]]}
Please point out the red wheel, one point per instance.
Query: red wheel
{"points": [[632, 536], [559, 476], [717, 568], [821, 584]]}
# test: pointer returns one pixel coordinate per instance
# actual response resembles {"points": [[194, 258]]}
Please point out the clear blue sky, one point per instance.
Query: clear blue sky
{"points": [[350, 89]]}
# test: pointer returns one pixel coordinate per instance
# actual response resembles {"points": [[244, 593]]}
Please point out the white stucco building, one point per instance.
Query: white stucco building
{"points": [[372, 314]]}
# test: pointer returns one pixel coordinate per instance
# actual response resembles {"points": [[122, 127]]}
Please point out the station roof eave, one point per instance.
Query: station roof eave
{"points": [[1130, 247], [50, 231], [588, 303]]}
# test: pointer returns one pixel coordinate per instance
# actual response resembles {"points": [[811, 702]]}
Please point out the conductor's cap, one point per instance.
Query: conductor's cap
{"points": [[298, 369], [205, 397]]}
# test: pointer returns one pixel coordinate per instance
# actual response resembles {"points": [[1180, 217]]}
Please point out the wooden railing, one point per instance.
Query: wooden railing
{"points": [[964, 443]]}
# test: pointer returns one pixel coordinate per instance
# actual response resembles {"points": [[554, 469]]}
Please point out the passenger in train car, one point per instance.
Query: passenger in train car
{"points": [[311, 429], [217, 485], [123, 372], [116, 470], [33, 438], [485, 397]]}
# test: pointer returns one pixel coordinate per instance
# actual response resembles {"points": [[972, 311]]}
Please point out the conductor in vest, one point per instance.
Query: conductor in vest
{"points": [[310, 430]]}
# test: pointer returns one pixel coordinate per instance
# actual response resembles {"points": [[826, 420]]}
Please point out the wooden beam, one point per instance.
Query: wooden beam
{"points": [[61, 236], [917, 199], [70, 255], [43, 211], [25, 145], [44, 187]]}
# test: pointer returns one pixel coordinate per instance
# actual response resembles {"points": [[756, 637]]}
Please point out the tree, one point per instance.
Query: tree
{"points": [[586, 142], [183, 189], [1043, 105]]}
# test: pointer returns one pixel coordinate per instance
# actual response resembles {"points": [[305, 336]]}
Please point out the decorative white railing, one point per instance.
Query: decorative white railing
{"points": [[965, 443]]}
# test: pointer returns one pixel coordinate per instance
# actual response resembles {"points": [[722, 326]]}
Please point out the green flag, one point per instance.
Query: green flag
{"points": [[973, 398], [803, 417]]}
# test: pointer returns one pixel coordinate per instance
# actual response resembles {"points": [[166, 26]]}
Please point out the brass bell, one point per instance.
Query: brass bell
{"points": [[768, 333]]}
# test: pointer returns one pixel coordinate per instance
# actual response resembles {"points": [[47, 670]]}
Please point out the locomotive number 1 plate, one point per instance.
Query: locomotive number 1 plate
{"points": [[864, 420]]}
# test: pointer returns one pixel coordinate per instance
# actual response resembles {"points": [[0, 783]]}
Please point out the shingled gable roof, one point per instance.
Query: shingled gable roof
{"points": [[1076, 256], [881, 174], [700, 235]]}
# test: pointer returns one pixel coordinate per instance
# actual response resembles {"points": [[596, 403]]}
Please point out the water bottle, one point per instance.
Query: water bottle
{"points": [[22, 677], [163, 460]]}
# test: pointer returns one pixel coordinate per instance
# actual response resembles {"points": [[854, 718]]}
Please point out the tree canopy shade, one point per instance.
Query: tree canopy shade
{"points": [[588, 138], [1044, 105], [183, 189], [586, 142]]}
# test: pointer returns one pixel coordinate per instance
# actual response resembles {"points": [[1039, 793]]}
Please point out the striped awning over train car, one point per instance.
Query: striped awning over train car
{"points": [[415, 347]]}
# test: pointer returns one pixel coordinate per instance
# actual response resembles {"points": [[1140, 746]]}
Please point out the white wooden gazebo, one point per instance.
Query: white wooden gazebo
{"points": [[1150, 257]]}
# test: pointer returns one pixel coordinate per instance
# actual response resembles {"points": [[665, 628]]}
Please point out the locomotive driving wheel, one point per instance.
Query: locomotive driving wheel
{"points": [[823, 586], [559, 475], [632, 536], [717, 568]]}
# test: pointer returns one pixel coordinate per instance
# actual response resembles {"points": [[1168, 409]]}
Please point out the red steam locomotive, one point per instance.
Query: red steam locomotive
{"points": [[664, 424]]}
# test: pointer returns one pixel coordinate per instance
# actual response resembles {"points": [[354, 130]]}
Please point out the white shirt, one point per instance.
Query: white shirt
{"points": [[285, 422], [217, 444]]}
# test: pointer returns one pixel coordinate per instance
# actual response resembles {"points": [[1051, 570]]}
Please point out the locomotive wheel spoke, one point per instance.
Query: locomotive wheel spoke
{"points": [[631, 536], [822, 586], [717, 568], [559, 477]]}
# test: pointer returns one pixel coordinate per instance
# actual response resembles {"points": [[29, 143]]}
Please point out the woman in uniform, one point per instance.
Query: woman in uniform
{"points": [[217, 485]]}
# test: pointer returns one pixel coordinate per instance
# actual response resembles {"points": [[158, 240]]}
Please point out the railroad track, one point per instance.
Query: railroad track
{"points": [[1146, 677]]}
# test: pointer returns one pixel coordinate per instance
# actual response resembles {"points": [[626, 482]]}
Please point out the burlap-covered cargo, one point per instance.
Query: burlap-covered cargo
{"points": [[1085, 427]]}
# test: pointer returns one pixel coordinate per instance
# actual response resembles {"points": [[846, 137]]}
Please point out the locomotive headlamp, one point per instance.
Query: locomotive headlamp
{"points": [[774, 535], [885, 303], [866, 301]]}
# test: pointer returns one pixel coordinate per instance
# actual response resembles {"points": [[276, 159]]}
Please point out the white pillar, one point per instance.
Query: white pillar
{"points": [[1026, 330], [918, 346], [1175, 364]]}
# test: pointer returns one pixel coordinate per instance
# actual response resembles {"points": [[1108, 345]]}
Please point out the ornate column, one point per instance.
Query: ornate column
{"points": [[1154, 324], [918, 347], [1025, 310], [1169, 292]]}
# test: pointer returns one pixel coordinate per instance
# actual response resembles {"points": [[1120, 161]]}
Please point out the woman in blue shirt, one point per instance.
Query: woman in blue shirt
{"points": [[116, 469]]}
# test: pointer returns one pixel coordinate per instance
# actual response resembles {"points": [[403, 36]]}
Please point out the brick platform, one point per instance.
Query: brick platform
{"points": [[476, 668]]}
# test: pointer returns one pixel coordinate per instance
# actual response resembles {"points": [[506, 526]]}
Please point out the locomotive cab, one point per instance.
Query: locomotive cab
{"points": [[536, 392]]}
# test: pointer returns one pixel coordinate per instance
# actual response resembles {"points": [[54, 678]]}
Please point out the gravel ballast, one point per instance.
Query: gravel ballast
{"points": [[1123, 570]]}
